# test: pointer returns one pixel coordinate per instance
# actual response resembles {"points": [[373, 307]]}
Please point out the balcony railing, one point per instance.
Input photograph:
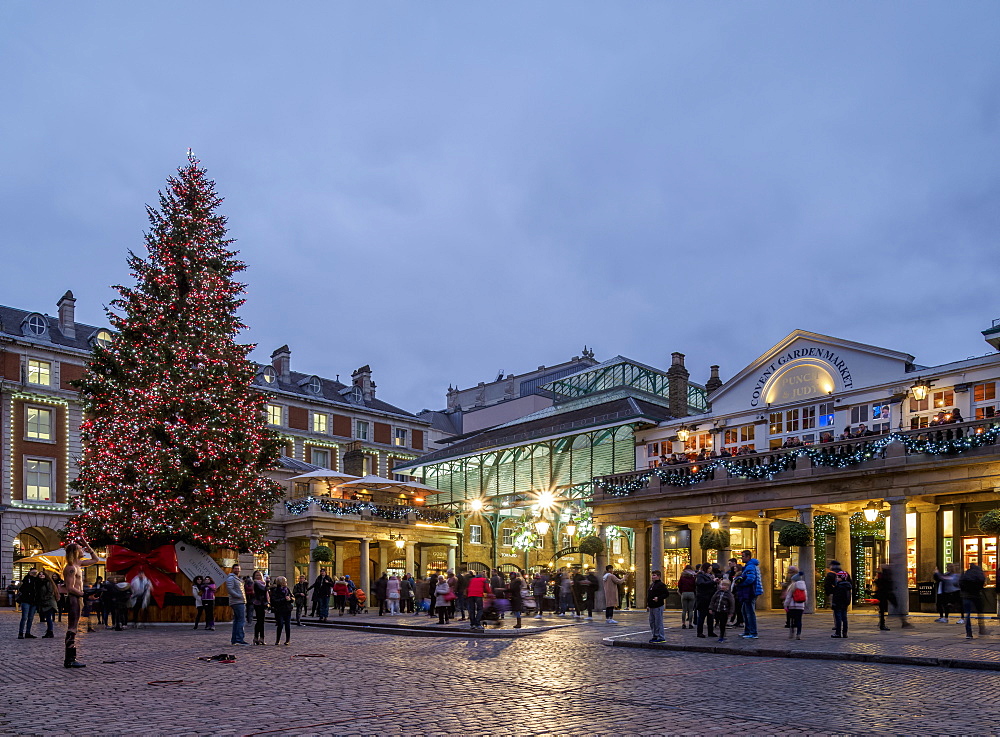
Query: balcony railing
{"points": [[935, 441], [353, 508]]}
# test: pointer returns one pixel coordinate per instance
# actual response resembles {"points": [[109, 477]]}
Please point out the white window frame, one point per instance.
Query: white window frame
{"points": [[361, 428], [50, 437], [37, 325], [268, 375], [475, 534], [271, 414], [41, 367], [312, 454], [321, 423], [507, 537], [28, 460], [987, 406], [399, 437]]}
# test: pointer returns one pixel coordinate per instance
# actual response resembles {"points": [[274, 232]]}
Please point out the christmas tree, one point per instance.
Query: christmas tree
{"points": [[174, 442]]}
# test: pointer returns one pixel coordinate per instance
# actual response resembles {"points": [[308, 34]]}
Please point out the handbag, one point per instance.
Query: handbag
{"points": [[450, 596], [394, 595]]}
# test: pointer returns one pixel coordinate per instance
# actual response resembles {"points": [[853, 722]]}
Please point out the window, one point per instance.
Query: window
{"points": [[320, 457], [261, 562], [36, 325], [103, 338], [508, 536], [565, 542], [739, 436], [38, 423], [315, 386], [38, 480], [616, 546], [39, 372], [301, 489], [274, 414], [268, 374], [696, 442], [356, 396], [776, 427], [320, 422], [984, 398], [791, 420], [361, 429], [400, 437], [944, 399], [859, 414], [919, 405], [808, 418], [826, 414], [476, 534], [652, 450]]}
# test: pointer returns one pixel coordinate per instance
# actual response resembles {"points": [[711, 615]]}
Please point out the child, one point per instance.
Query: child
{"points": [[721, 606], [795, 605]]}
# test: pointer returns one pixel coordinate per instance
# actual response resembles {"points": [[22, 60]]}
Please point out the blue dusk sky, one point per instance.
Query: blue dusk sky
{"points": [[446, 190]]}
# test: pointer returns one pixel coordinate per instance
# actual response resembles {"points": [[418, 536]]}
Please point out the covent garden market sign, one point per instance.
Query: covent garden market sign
{"points": [[804, 378]]}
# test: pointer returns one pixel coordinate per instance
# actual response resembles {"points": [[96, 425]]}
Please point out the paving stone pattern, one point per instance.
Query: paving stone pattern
{"points": [[561, 681]]}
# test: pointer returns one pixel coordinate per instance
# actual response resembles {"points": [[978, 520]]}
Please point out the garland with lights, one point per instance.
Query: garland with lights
{"points": [[340, 508], [755, 468], [175, 447]]}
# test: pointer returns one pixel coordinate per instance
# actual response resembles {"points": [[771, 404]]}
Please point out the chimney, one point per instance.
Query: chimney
{"points": [[714, 382], [362, 378], [281, 361], [677, 384], [67, 315]]}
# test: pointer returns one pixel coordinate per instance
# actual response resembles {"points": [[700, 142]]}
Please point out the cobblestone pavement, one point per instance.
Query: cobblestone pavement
{"points": [[554, 682]]}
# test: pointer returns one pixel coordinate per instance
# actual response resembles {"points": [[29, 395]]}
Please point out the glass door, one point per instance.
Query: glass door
{"points": [[983, 552]]}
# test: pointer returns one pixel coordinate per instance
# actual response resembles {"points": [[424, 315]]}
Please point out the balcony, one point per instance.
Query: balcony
{"points": [[889, 452], [355, 509]]}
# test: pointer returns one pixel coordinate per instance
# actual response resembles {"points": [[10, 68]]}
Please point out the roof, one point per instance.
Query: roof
{"points": [[11, 320], [615, 411], [291, 464], [330, 390]]}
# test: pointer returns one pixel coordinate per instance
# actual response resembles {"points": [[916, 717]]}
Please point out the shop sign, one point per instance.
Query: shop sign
{"points": [[836, 362], [972, 521], [196, 562]]}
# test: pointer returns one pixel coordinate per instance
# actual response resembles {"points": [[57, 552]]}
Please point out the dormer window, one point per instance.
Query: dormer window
{"points": [[314, 385], [102, 338], [35, 325], [356, 396], [268, 375]]}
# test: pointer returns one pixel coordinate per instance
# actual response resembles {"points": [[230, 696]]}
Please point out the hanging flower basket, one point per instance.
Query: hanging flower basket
{"points": [[714, 539], [322, 554], [989, 523], [591, 545], [795, 535]]}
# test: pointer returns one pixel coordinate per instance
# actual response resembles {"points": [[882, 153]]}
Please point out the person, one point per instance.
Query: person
{"points": [[421, 591], [27, 597], [322, 588], [749, 588], [123, 594], [259, 602], [281, 604], [142, 591], [92, 601], [590, 591], [720, 606], [499, 587], [956, 415], [392, 595], [538, 587], [73, 575], [515, 591], [340, 595], [705, 586], [685, 585], [610, 583], [971, 584], [463, 587], [238, 603], [48, 602], [248, 594], [199, 606], [478, 588], [839, 589], [208, 588], [796, 595], [442, 604], [108, 603], [406, 595], [381, 587], [791, 576], [656, 597], [886, 596], [302, 599], [947, 587], [734, 573]]}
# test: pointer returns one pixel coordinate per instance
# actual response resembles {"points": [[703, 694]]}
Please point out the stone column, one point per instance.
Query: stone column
{"points": [[927, 549], [289, 573], [452, 549], [641, 565], [365, 575], [423, 560], [807, 560], [655, 560], [313, 567], [409, 558], [338, 559], [765, 554], [698, 554], [842, 545], [897, 552], [726, 553]]}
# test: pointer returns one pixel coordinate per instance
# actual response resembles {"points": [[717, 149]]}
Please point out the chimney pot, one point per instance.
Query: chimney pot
{"points": [[281, 361], [67, 314]]}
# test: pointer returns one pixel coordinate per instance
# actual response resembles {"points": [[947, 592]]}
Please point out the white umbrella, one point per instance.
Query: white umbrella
{"points": [[325, 474], [417, 486], [373, 482]]}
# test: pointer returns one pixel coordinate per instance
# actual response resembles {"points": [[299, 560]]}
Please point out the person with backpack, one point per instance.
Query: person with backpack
{"points": [[721, 605], [971, 584], [794, 600], [685, 586], [656, 597], [839, 590]]}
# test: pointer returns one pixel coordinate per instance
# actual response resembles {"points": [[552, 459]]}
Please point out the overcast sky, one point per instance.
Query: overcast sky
{"points": [[444, 190]]}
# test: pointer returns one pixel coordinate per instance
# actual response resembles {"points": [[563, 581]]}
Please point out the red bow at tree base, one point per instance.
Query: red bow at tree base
{"points": [[155, 565]]}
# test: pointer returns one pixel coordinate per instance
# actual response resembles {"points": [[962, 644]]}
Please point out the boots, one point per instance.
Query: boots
{"points": [[69, 661]]}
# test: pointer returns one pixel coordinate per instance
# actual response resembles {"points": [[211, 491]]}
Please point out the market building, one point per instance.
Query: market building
{"points": [[888, 461], [520, 489]]}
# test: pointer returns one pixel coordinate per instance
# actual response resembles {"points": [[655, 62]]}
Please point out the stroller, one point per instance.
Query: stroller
{"points": [[357, 599], [492, 610]]}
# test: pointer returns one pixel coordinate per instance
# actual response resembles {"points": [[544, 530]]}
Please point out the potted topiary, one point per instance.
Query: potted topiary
{"points": [[795, 535], [322, 554], [712, 539], [989, 523], [591, 545]]}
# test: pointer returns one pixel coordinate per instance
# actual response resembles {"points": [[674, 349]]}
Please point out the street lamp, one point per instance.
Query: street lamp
{"points": [[920, 389], [714, 524], [571, 528], [476, 505], [541, 527], [871, 511], [683, 433]]}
